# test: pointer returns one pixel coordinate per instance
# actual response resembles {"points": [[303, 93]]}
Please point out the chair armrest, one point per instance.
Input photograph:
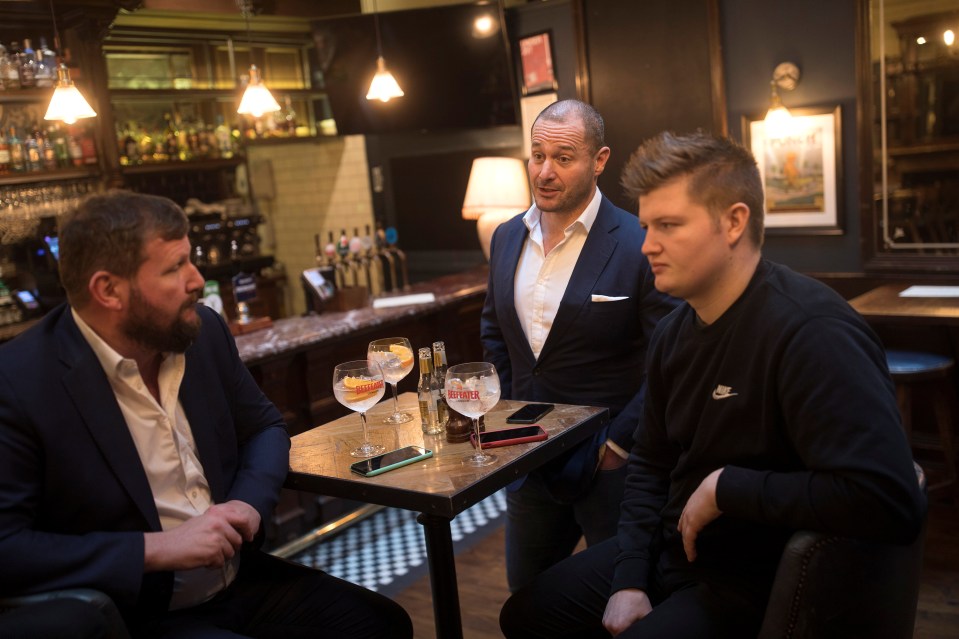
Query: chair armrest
{"points": [[102, 601]]}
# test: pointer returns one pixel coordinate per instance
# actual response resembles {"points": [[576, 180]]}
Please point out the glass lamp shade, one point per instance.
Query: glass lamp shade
{"points": [[384, 86], [257, 99], [67, 103], [778, 122]]}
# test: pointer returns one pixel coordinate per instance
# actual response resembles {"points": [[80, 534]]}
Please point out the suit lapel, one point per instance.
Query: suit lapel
{"points": [[594, 257], [89, 388], [511, 248]]}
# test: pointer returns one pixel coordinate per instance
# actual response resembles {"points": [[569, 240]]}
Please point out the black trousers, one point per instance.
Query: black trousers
{"points": [[273, 598], [569, 599]]}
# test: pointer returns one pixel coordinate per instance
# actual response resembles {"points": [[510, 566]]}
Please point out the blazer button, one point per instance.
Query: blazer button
{"points": [[536, 372]]}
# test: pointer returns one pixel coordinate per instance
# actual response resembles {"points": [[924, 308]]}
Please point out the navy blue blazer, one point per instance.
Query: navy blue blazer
{"points": [[74, 497], [595, 352]]}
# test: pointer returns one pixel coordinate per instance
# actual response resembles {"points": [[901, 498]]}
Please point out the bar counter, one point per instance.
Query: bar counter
{"points": [[293, 360]]}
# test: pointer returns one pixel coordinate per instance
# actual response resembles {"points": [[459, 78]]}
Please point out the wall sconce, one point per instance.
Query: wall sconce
{"points": [[67, 103], [778, 120], [256, 99], [498, 189], [384, 86]]}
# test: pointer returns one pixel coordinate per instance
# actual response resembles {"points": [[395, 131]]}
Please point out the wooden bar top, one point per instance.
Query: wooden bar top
{"points": [[884, 304], [443, 485], [300, 333]]}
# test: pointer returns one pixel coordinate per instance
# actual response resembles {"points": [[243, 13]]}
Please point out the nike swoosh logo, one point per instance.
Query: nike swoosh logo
{"points": [[718, 394]]}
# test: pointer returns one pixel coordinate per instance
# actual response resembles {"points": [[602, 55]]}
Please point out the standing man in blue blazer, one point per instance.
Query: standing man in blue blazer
{"points": [[138, 456], [569, 310]]}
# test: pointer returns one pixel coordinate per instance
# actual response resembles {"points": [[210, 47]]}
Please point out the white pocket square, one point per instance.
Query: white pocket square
{"points": [[609, 298]]}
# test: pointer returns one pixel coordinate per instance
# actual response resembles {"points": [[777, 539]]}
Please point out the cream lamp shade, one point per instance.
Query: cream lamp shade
{"points": [[498, 189]]}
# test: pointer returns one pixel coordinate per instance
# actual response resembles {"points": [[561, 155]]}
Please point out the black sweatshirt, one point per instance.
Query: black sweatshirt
{"points": [[789, 392]]}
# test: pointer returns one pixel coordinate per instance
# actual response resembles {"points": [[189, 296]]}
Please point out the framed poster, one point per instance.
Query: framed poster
{"points": [[536, 61], [801, 170]]}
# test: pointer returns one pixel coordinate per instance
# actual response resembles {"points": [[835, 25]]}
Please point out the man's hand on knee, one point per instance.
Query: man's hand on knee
{"points": [[698, 512], [625, 608]]}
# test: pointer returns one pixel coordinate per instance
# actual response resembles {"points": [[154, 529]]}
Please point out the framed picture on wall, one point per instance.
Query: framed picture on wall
{"points": [[801, 169], [536, 62]]}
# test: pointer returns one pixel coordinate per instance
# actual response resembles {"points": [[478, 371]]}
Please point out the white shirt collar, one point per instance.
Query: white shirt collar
{"points": [[532, 217]]}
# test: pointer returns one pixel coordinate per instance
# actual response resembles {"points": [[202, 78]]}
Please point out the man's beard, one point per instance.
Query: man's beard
{"points": [[142, 326]]}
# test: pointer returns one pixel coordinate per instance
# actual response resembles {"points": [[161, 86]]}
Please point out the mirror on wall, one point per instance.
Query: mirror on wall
{"points": [[909, 93]]}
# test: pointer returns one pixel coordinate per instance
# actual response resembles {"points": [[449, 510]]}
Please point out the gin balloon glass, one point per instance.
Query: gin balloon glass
{"points": [[358, 386], [395, 357], [473, 389]]}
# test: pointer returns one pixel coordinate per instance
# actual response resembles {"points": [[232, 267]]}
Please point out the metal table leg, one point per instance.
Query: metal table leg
{"points": [[446, 600]]}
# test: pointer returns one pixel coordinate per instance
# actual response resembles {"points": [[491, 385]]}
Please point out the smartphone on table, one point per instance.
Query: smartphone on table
{"points": [[510, 436], [529, 414], [390, 460]]}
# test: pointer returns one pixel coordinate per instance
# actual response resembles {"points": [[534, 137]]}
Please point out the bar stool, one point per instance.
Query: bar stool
{"points": [[911, 370]]}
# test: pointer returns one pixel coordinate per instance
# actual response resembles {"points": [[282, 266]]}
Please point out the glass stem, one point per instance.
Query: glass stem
{"points": [[479, 445], [366, 436], [396, 404]]}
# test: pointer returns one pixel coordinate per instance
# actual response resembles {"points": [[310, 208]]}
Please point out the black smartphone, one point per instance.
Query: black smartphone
{"points": [[510, 436], [529, 414], [388, 461]]}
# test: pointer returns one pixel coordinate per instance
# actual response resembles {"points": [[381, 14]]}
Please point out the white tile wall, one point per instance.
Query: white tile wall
{"points": [[318, 188]]}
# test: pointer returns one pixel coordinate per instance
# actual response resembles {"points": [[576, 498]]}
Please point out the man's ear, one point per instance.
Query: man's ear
{"points": [[736, 221], [107, 290], [602, 156]]}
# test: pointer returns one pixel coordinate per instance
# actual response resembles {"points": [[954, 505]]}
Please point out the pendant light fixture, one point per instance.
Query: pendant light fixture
{"points": [[384, 86], [256, 99], [67, 103]]}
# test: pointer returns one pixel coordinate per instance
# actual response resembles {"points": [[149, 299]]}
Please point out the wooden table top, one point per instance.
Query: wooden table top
{"points": [[443, 485], [883, 304]]}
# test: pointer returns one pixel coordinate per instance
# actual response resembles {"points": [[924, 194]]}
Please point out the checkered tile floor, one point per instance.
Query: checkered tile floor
{"points": [[386, 552]]}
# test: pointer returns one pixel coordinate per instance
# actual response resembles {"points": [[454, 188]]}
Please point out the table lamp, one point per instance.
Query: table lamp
{"points": [[497, 190]]}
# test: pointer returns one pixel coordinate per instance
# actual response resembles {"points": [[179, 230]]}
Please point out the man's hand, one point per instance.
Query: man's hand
{"points": [[209, 540], [699, 511], [625, 608], [243, 517], [610, 460]]}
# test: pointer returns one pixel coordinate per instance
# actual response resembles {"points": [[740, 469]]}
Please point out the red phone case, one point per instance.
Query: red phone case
{"points": [[516, 440]]}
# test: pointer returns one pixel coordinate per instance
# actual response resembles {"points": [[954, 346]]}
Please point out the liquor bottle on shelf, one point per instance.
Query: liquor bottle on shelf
{"points": [[73, 146], [28, 66], [7, 71], [60, 149], [4, 154], [18, 157], [31, 148], [88, 146], [49, 151], [13, 68], [46, 65], [289, 118], [224, 140], [428, 394]]}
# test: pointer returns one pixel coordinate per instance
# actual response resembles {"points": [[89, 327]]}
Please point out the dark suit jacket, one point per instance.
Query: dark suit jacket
{"points": [[74, 497], [595, 351]]}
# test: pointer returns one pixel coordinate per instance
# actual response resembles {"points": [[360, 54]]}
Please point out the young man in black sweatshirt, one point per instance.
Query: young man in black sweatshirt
{"points": [[769, 409]]}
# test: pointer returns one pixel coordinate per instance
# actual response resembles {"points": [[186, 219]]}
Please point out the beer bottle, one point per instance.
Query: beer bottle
{"points": [[428, 394]]}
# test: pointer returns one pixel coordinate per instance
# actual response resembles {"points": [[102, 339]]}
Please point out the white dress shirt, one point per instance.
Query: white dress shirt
{"points": [[164, 442], [540, 280]]}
